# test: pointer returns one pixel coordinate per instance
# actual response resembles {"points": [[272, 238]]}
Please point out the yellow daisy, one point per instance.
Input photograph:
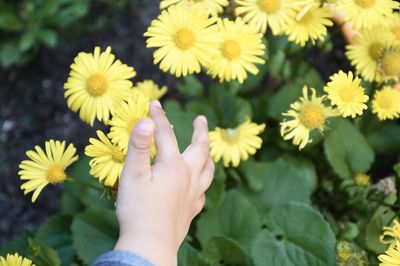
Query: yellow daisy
{"points": [[367, 51], [125, 119], [390, 233], [150, 89], [391, 256], [366, 13], [235, 144], [46, 167], [96, 85], [393, 23], [108, 159], [307, 114], [239, 50], [389, 65], [362, 180], [347, 94], [184, 38], [276, 14], [310, 25], [386, 103], [212, 6], [15, 260]]}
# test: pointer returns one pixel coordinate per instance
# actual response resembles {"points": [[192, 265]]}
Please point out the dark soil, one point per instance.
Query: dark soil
{"points": [[33, 109]]}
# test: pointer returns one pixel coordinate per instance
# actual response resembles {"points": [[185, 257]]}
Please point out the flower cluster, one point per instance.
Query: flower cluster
{"points": [[98, 87]]}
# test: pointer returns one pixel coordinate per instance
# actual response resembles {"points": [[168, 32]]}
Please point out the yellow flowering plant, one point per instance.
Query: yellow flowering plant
{"points": [[304, 130]]}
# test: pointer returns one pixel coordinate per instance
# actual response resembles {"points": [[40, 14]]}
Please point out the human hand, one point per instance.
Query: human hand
{"points": [[156, 203]]}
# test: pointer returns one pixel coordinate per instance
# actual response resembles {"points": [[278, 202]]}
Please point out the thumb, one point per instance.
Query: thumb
{"points": [[137, 162]]}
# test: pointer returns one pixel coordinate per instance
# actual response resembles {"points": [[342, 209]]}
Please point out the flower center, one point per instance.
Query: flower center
{"points": [[385, 101], [185, 38], [55, 174], [365, 3], [396, 32], [375, 50], [118, 155], [312, 116], [96, 84], [230, 135], [269, 6], [231, 49], [362, 179], [130, 124], [391, 63], [347, 94], [307, 18]]}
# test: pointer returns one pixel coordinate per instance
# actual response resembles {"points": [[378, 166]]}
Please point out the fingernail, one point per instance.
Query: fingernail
{"points": [[144, 126], [203, 119], [156, 103]]}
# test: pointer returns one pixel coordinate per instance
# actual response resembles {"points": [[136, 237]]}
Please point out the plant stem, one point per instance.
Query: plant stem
{"points": [[83, 183]]}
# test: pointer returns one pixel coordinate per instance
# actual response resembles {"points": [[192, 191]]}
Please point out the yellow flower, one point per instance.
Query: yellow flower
{"points": [[393, 23], [239, 50], [108, 159], [235, 144], [276, 14], [362, 180], [347, 94], [212, 6], [366, 13], [125, 119], [15, 260], [46, 167], [391, 256], [389, 65], [310, 25], [367, 52], [184, 37], [96, 85], [150, 89], [390, 233], [307, 114], [386, 103]]}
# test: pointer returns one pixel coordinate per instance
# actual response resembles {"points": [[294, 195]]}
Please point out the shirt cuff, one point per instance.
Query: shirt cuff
{"points": [[121, 258]]}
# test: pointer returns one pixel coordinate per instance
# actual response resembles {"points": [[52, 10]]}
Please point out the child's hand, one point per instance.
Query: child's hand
{"points": [[157, 203]]}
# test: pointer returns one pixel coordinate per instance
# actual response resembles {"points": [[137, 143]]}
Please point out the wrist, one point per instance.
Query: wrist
{"points": [[156, 248]]}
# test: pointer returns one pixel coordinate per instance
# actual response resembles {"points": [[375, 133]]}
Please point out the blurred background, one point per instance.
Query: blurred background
{"points": [[38, 42]]}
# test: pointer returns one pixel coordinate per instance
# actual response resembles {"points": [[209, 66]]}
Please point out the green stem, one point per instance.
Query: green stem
{"points": [[234, 174], [84, 183]]}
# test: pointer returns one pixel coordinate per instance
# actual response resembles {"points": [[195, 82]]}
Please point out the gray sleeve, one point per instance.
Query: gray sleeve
{"points": [[121, 258]]}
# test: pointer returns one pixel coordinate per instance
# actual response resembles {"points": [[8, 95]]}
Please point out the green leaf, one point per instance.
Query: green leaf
{"points": [[385, 138], [224, 251], [235, 218], [347, 150], [397, 169], [56, 233], [188, 256], [43, 255], [9, 54], [182, 122], [296, 235], [216, 191], [94, 232], [190, 86], [10, 22], [76, 198], [27, 40], [48, 37], [285, 179]]}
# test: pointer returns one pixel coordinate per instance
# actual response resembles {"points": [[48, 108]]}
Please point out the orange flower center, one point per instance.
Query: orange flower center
{"points": [[185, 38], [96, 84], [312, 116], [396, 32], [231, 49], [55, 174], [391, 63], [269, 6], [118, 155]]}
